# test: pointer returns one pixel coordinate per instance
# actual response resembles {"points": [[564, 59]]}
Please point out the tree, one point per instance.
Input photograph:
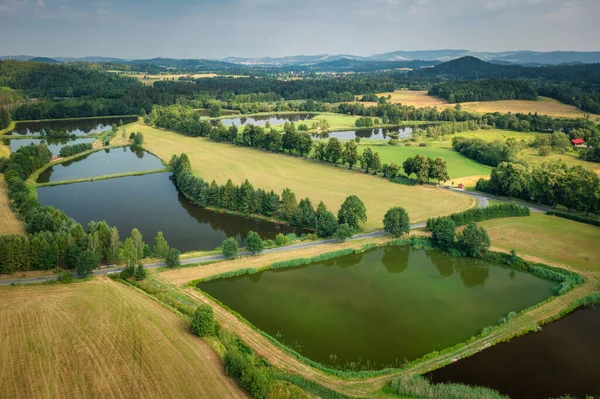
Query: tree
{"points": [[138, 242], [305, 214], [5, 118], [350, 154], [131, 136], [139, 139], [128, 272], [161, 248], [289, 205], [129, 252], [343, 232], [254, 243], [334, 150], [438, 170], [366, 160], [172, 258], [86, 262], [203, 323], [474, 240], [376, 163], [140, 273], [114, 128], [442, 234], [396, 221], [352, 212], [326, 222], [230, 248], [114, 248]]}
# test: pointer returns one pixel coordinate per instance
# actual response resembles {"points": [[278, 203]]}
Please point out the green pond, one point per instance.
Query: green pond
{"points": [[381, 307]]}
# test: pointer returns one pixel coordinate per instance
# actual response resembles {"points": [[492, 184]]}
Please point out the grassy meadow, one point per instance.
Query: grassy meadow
{"points": [[458, 165], [101, 339], [9, 222], [306, 178], [548, 237]]}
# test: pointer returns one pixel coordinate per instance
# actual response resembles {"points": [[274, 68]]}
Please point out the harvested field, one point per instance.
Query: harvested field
{"points": [[9, 222]]}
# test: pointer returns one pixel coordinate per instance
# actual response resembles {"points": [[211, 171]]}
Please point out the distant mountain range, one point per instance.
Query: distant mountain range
{"points": [[395, 59]]}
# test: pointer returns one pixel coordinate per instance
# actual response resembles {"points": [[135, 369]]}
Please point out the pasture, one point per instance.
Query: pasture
{"points": [[458, 165], [9, 222], [548, 237], [101, 339], [306, 178]]}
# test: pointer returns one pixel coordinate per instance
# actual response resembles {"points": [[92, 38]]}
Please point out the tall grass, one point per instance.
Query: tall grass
{"points": [[419, 387]]}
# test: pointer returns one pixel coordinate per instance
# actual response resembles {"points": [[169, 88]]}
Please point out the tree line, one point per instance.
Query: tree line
{"points": [[485, 152], [461, 91], [73, 149], [552, 183], [54, 239]]}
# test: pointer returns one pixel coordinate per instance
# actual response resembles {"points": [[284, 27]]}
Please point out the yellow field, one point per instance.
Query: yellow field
{"points": [[409, 97], [168, 76], [548, 237], [101, 339], [307, 179], [9, 223], [570, 159]]}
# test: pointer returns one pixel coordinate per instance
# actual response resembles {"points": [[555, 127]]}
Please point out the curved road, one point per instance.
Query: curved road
{"points": [[482, 202]]}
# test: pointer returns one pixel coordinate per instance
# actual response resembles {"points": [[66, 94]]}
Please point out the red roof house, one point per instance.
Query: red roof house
{"points": [[578, 141]]}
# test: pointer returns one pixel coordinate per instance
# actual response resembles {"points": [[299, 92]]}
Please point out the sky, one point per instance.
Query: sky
{"points": [[254, 28]]}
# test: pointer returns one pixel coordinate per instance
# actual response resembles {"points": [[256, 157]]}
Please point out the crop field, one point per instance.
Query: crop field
{"points": [[548, 237], [306, 178], [154, 78], [410, 97], [458, 165], [101, 339], [9, 223]]}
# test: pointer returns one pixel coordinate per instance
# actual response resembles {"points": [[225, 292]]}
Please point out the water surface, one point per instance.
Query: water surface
{"points": [[100, 163], [72, 126], [152, 204], [383, 306], [54, 145], [563, 359], [374, 134], [261, 120]]}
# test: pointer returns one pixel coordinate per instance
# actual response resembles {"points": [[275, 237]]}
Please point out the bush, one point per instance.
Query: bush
{"points": [[203, 323], [230, 248], [396, 221], [140, 273], [474, 240], [235, 364], [343, 232], [65, 277], [575, 217], [280, 240], [393, 142], [481, 214], [255, 382], [443, 234], [254, 243], [172, 258], [128, 272]]}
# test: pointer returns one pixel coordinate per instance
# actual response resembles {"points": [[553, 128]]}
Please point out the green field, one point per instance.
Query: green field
{"points": [[458, 165], [548, 237], [306, 178]]}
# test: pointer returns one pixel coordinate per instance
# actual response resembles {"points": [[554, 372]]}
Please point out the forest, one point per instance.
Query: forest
{"points": [[484, 90]]}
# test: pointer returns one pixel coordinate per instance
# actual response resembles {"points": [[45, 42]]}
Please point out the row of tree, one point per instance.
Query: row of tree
{"points": [[552, 183], [425, 169], [485, 152], [73, 149]]}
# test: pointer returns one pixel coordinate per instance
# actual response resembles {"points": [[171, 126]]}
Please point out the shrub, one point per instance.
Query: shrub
{"points": [[443, 234], [393, 142], [254, 243], [128, 272], [140, 273], [203, 323], [481, 214], [343, 232], [65, 277], [230, 248], [280, 239], [474, 240], [255, 382], [235, 364], [396, 221], [172, 258], [575, 217]]}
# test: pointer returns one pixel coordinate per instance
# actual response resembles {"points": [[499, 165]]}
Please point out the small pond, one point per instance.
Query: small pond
{"points": [[261, 120], [562, 359], [375, 134], [54, 145], [100, 163], [152, 204], [72, 126], [380, 307]]}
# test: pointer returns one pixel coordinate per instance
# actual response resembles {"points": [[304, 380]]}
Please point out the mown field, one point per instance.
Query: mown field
{"points": [[101, 339], [458, 165], [307, 179], [548, 237], [9, 223], [167, 76]]}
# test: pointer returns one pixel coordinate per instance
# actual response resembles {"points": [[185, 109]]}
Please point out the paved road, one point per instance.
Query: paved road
{"points": [[482, 202]]}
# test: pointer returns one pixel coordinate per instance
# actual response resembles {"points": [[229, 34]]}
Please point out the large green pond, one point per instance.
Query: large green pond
{"points": [[380, 307]]}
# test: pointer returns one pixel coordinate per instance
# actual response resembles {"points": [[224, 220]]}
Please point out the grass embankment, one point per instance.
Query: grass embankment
{"points": [[9, 222], [306, 178], [105, 177], [548, 237], [9, 128], [101, 339]]}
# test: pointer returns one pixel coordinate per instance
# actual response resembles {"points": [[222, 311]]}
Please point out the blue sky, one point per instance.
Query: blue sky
{"points": [[249, 28]]}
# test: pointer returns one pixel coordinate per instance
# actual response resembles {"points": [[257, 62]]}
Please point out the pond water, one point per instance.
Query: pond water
{"points": [[374, 134], [100, 163], [152, 204], [261, 120], [54, 145], [74, 126], [379, 307], [563, 359]]}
